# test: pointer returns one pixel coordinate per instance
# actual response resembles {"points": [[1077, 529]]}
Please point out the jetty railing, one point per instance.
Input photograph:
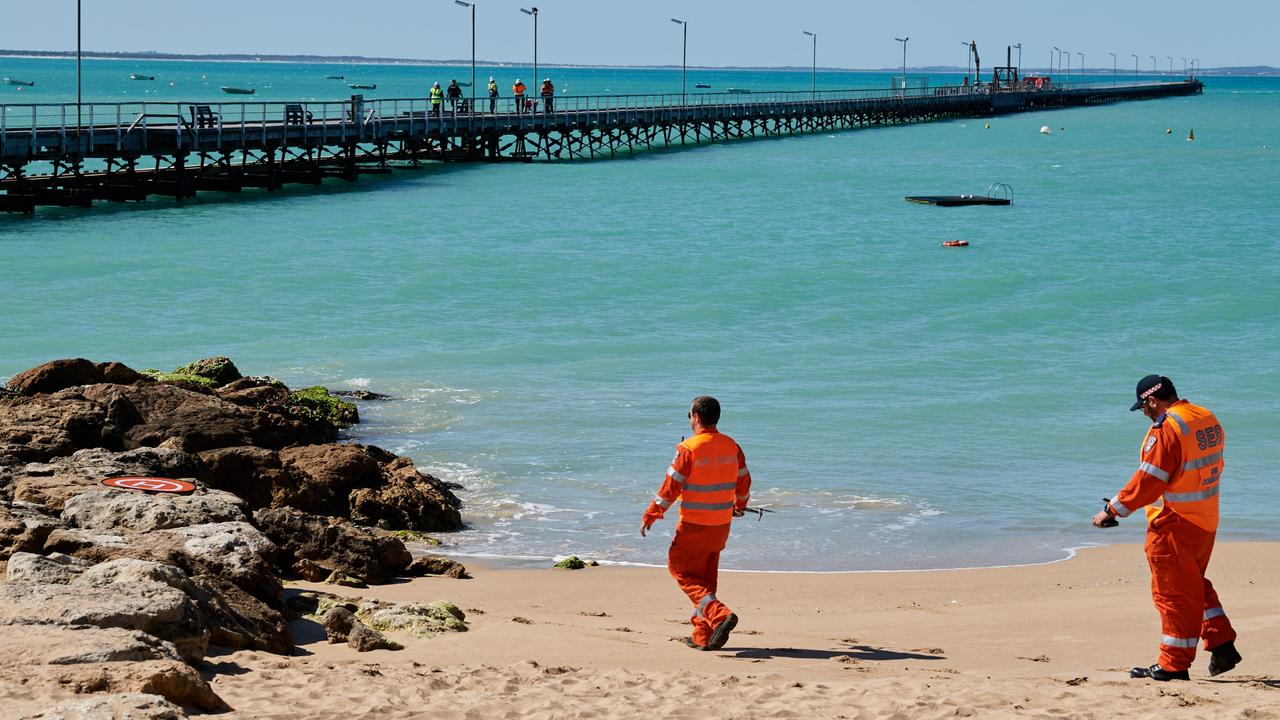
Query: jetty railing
{"points": [[193, 123]]}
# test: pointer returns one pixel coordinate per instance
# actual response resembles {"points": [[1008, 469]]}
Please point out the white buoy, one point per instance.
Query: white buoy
{"points": [[1044, 130], [987, 126]]}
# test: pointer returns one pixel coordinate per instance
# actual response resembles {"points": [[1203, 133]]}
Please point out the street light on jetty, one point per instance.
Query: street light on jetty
{"points": [[814, 78], [77, 72], [1056, 52], [1019, 46], [1068, 54], [471, 5], [1184, 67], [904, 40], [1113, 69], [684, 55], [1154, 71], [968, 60], [1195, 65], [1170, 65], [1081, 65], [1135, 67], [533, 12]]}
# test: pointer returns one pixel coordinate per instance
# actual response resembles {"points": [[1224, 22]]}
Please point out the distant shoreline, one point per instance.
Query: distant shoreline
{"points": [[1250, 71]]}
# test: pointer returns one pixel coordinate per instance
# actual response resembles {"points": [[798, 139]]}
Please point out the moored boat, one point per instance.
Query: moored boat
{"points": [[237, 91], [15, 81], [136, 76], [359, 86]]}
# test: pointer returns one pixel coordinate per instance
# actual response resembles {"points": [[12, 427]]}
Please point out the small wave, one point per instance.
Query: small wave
{"points": [[357, 382]]}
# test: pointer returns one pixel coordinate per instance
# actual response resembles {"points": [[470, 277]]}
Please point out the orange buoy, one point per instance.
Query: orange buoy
{"points": [[955, 243]]}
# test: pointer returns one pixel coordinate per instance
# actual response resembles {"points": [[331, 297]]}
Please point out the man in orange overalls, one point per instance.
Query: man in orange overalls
{"points": [[709, 476], [1177, 480]]}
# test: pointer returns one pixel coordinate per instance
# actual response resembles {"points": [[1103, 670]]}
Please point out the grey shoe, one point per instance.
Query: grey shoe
{"points": [[720, 635]]}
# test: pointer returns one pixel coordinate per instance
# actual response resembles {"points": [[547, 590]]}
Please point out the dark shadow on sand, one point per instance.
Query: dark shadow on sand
{"points": [[857, 652]]}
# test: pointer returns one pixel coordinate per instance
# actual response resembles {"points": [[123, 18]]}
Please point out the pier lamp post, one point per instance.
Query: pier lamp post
{"points": [[1154, 71], [1056, 52], [814, 78], [684, 55], [1019, 46], [533, 12], [1066, 53], [471, 5], [968, 60], [77, 70], [1170, 65], [1113, 69], [1195, 65], [1081, 65], [1184, 67], [904, 40], [1135, 67]]}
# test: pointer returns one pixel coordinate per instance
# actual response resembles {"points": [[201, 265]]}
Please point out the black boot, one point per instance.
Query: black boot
{"points": [[1225, 657], [1155, 672]]}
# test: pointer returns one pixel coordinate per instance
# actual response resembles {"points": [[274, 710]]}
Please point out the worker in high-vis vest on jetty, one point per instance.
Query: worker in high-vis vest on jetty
{"points": [[1177, 481], [710, 479]]}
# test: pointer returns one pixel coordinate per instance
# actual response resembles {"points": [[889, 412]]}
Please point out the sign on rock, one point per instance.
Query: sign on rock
{"points": [[150, 484]]}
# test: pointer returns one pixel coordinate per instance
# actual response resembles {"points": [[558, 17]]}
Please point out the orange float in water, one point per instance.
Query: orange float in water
{"points": [[955, 243]]}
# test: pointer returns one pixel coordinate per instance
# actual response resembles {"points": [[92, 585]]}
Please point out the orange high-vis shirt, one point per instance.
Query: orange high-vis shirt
{"points": [[1180, 466], [709, 476]]}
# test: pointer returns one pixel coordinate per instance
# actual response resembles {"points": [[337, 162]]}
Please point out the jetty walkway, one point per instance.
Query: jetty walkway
{"points": [[69, 155]]}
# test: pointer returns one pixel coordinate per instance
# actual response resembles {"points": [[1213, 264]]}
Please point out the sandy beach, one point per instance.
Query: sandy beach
{"points": [[1051, 640]]}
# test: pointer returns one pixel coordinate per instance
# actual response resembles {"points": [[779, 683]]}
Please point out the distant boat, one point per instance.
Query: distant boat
{"points": [[136, 76], [238, 91], [15, 81], [464, 84], [739, 91], [702, 85], [357, 86], [335, 77]]}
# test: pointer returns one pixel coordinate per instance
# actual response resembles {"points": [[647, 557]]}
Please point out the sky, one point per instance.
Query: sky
{"points": [[721, 32]]}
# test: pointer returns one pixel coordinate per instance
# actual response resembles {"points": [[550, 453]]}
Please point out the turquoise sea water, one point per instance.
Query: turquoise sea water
{"points": [[544, 326]]}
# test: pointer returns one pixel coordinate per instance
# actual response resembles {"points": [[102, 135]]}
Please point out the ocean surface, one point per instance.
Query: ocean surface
{"points": [[543, 327]]}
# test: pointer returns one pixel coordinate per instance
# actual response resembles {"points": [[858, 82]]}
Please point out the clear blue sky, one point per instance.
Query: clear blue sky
{"points": [[721, 32]]}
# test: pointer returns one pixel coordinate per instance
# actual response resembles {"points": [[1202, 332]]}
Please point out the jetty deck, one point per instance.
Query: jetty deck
{"points": [[73, 155]]}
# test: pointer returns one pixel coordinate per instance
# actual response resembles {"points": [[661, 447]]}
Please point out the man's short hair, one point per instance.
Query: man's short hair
{"points": [[707, 409]]}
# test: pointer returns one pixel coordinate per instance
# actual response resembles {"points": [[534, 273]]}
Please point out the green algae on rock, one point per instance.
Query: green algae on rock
{"points": [[219, 369], [179, 378], [415, 536], [419, 619], [570, 563], [316, 404]]}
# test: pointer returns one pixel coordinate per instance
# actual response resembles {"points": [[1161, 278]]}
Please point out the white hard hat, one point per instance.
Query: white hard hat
{"points": [[517, 79], [437, 84], [490, 78]]}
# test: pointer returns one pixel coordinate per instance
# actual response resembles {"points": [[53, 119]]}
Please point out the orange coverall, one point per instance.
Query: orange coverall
{"points": [[709, 476], [1180, 535]]}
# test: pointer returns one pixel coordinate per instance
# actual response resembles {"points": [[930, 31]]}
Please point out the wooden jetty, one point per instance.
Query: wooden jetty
{"points": [[69, 155]]}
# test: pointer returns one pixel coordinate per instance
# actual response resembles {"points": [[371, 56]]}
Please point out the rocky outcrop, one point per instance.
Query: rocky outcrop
{"points": [[83, 659], [154, 608], [373, 487], [341, 625], [333, 545], [62, 374], [119, 592], [52, 483], [24, 528], [406, 499], [419, 619], [256, 474], [126, 706], [116, 510]]}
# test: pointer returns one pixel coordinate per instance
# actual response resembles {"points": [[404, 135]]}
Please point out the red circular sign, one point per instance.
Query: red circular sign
{"points": [[150, 484]]}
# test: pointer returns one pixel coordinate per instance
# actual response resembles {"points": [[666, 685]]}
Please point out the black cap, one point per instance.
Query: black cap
{"points": [[1150, 385]]}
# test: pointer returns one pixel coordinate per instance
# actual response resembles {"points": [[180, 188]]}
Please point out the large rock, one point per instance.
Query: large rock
{"points": [[371, 486], [153, 608], [237, 619], [218, 369], [35, 429], [110, 509], [110, 706], [434, 565], [62, 374], [333, 544], [255, 474], [364, 638], [420, 619], [52, 483], [24, 527], [56, 568], [333, 471], [406, 500], [195, 421], [84, 659]]}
